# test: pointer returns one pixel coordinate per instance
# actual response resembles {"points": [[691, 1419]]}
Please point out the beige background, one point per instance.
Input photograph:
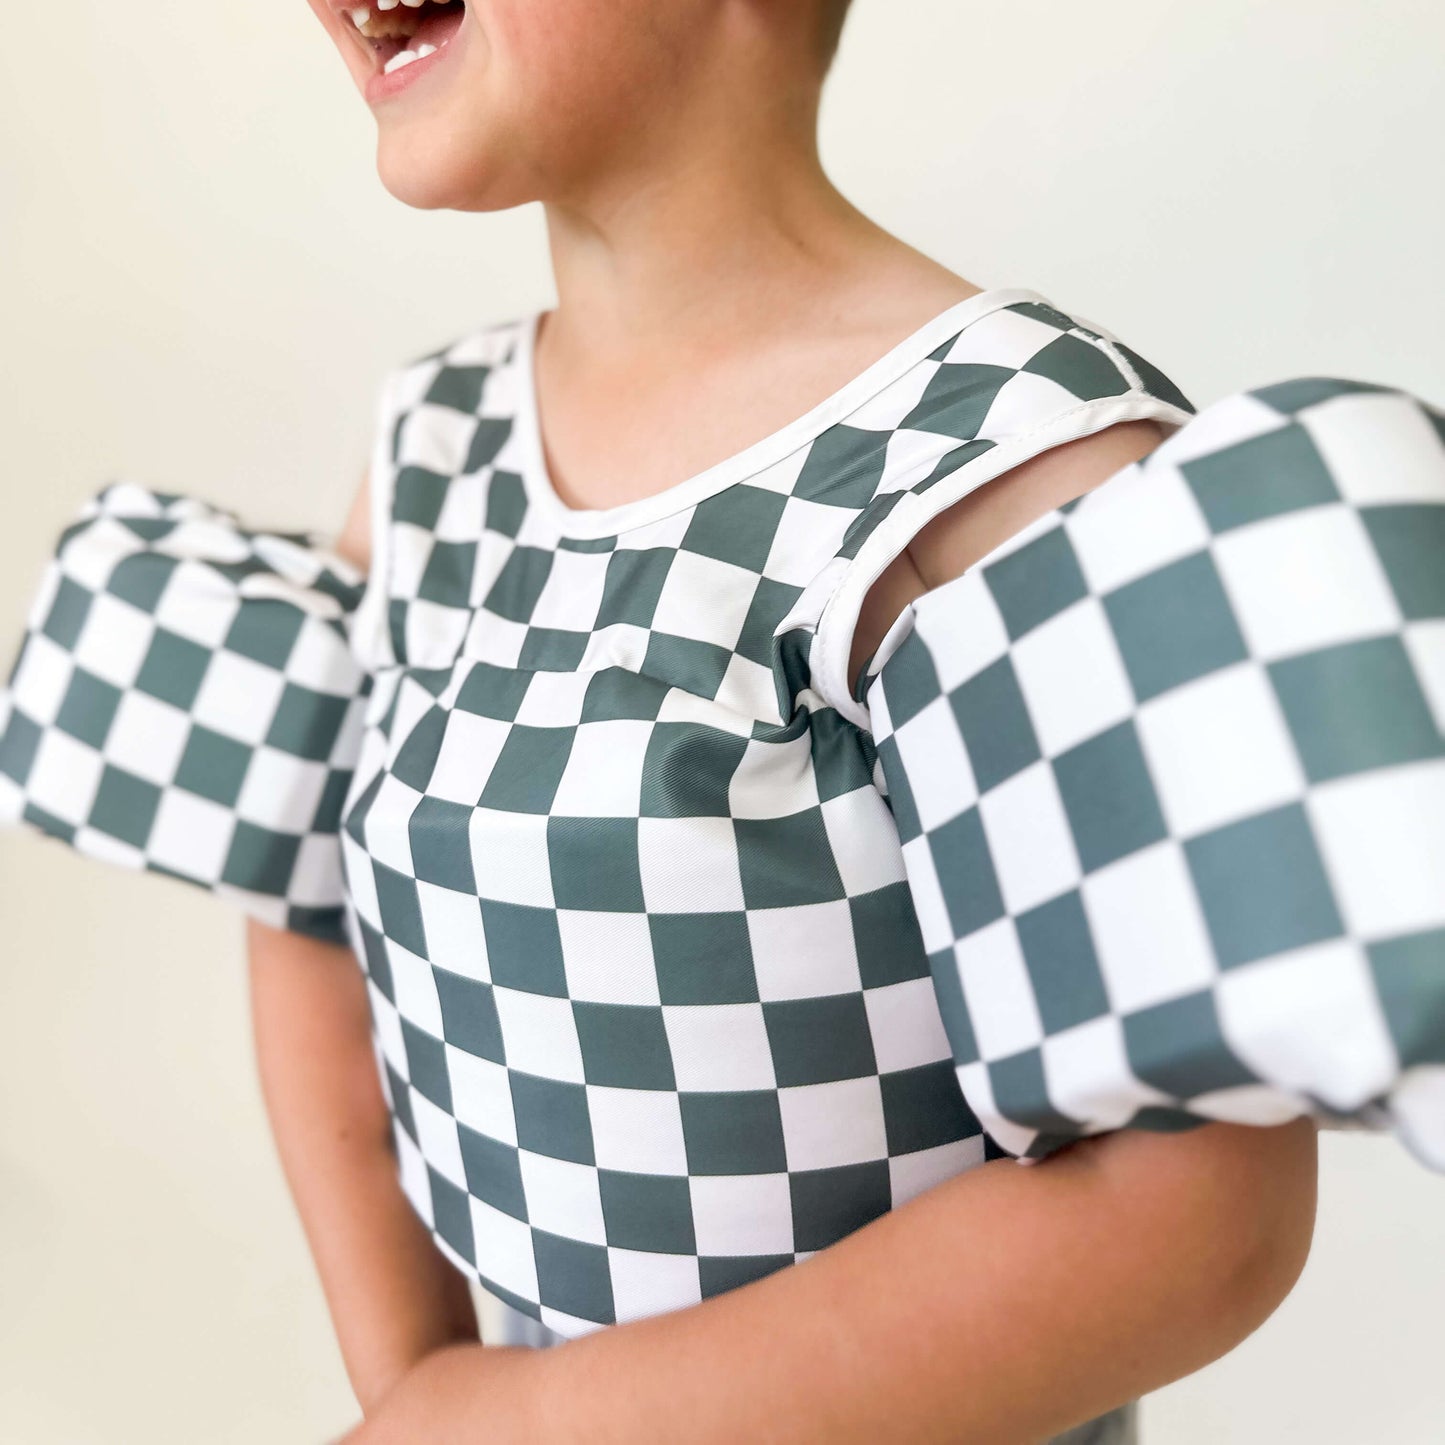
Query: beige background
{"points": [[204, 281]]}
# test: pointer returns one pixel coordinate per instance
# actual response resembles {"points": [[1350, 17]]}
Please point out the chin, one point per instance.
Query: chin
{"points": [[430, 177], [416, 181]]}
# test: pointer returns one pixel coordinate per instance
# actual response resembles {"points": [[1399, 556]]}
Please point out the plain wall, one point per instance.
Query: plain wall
{"points": [[204, 281]]}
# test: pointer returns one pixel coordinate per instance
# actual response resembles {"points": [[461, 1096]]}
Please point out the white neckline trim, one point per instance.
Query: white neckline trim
{"points": [[592, 522]]}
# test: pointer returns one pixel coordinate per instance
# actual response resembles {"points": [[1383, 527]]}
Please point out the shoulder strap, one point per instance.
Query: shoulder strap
{"points": [[370, 633], [1021, 380], [427, 441]]}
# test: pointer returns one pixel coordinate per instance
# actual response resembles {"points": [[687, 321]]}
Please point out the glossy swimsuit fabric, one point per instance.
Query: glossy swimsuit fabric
{"points": [[1169, 776], [653, 1004], [185, 701], [654, 1012]]}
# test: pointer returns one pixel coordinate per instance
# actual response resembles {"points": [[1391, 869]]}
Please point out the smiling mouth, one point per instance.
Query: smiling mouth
{"points": [[398, 32]]}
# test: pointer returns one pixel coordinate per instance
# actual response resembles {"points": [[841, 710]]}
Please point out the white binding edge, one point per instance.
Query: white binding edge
{"points": [[370, 637], [839, 617]]}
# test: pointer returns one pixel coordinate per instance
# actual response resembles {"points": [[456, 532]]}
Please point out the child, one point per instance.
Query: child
{"points": [[784, 734]]}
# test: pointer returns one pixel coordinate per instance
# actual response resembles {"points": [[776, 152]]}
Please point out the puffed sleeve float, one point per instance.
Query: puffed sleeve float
{"points": [[1168, 772], [185, 700]]}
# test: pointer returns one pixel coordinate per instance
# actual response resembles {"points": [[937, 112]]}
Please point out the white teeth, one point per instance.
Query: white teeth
{"points": [[360, 16], [387, 4], [413, 4], [405, 57]]}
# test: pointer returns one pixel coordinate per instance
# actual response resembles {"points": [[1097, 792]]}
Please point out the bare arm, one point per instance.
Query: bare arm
{"points": [[1002, 1306], [392, 1295]]}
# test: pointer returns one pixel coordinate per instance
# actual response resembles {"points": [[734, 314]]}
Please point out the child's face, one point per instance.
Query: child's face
{"points": [[523, 99]]}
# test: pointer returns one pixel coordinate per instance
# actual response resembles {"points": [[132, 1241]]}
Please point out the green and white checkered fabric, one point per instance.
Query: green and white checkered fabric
{"points": [[185, 701], [1169, 777], [673, 946], [653, 1010]]}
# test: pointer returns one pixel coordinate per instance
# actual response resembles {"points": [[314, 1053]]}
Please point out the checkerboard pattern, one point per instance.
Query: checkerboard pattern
{"points": [[720, 598], [650, 1004], [652, 1009], [1169, 777], [184, 701]]}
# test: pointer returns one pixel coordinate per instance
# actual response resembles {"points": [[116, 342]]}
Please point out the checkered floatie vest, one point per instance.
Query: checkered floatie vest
{"points": [[685, 962], [1169, 775], [185, 700]]}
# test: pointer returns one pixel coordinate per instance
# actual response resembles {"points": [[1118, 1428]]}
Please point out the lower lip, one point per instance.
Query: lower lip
{"points": [[385, 84]]}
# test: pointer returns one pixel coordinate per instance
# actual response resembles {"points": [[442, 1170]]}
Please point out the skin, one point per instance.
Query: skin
{"points": [[392, 1296], [712, 286]]}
